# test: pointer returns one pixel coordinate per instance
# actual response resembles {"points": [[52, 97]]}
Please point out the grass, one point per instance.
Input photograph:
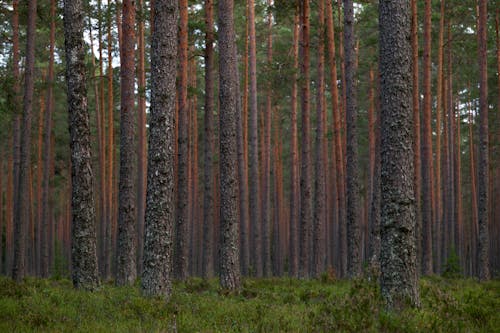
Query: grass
{"points": [[268, 305]]}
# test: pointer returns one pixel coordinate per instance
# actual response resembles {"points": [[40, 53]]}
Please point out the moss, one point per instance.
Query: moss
{"points": [[266, 305]]}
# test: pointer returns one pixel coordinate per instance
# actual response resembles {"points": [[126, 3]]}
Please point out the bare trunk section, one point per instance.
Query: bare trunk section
{"points": [[22, 211], [399, 278], [320, 201], [209, 151], [84, 253], [160, 205], [353, 207], [126, 268], [294, 168], [483, 171], [229, 272], [181, 260], [427, 149], [306, 209]]}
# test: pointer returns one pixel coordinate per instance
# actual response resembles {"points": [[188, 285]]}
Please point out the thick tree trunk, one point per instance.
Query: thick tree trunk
{"points": [[84, 254], [160, 206], [209, 151], [306, 213], [229, 273], [318, 265], [126, 251], [294, 168], [427, 149], [399, 278], [483, 171], [353, 213], [22, 211], [181, 260]]}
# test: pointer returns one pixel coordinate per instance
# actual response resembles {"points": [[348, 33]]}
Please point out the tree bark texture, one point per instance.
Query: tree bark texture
{"points": [[160, 205], [399, 278], [353, 207], [126, 268], [229, 270], [84, 253]]}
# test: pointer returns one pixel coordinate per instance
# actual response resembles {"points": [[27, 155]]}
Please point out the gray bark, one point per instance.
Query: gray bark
{"points": [[160, 205], [399, 281], [228, 98], [83, 252], [352, 183]]}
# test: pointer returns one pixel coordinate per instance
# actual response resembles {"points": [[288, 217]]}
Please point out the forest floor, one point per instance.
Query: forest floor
{"points": [[265, 305]]}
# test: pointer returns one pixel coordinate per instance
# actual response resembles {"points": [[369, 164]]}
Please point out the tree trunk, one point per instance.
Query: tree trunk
{"points": [[483, 172], [353, 214], [39, 185], [318, 265], [141, 134], [181, 260], [22, 214], [209, 151], [254, 195], [427, 149], [294, 168], [228, 96], [306, 213], [126, 250], [266, 165], [243, 165], [84, 254], [160, 206], [399, 281]]}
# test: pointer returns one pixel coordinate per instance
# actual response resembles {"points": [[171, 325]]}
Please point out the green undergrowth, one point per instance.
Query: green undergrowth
{"points": [[267, 305]]}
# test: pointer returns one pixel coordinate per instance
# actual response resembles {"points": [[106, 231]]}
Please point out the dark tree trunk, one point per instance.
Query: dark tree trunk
{"points": [[160, 206], [141, 135], [47, 149], [427, 149], [209, 151], [294, 168], [228, 97], [306, 213], [320, 201], [84, 253], [399, 279], [22, 211], [181, 260], [483, 168], [126, 268], [353, 207], [254, 195]]}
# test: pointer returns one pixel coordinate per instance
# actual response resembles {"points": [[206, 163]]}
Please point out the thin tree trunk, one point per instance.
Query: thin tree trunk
{"points": [[160, 205], [320, 201], [459, 240], [266, 165], [483, 172], [1, 209], [353, 214], [427, 149], [21, 216], [9, 209], [474, 217], [228, 96], [398, 259], [209, 151], [39, 185], [306, 213], [141, 134], [127, 238], [84, 254], [294, 168], [181, 260], [254, 195]]}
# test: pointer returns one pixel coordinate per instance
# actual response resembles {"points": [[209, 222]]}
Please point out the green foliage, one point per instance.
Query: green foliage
{"points": [[266, 305], [452, 268]]}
